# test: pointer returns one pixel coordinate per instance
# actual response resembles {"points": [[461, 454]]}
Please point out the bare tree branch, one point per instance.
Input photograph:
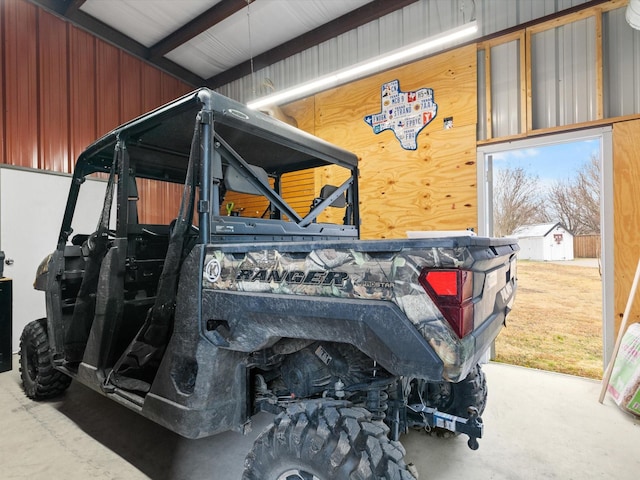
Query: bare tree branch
{"points": [[517, 201], [576, 202]]}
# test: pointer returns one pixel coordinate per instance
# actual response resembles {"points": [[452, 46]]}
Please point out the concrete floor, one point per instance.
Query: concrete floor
{"points": [[537, 425]]}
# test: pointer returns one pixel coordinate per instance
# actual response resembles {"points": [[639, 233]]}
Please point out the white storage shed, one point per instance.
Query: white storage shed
{"points": [[545, 242]]}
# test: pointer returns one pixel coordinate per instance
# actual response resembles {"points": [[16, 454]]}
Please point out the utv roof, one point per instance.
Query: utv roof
{"points": [[161, 139]]}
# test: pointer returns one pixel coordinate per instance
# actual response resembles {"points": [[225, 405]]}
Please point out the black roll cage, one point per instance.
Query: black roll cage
{"points": [[157, 146]]}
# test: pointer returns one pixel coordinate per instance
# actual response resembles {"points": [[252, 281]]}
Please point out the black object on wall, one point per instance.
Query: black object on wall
{"points": [[6, 286]]}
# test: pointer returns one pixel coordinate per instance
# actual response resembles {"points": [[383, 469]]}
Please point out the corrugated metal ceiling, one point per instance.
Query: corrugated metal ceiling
{"points": [[259, 27], [146, 22], [211, 42]]}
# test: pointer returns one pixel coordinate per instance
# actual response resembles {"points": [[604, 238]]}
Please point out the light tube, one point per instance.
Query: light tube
{"points": [[388, 60]]}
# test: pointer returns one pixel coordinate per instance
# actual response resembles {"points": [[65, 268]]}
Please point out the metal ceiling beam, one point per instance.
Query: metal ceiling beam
{"points": [[70, 10], [354, 19], [195, 27], [73, 6]]}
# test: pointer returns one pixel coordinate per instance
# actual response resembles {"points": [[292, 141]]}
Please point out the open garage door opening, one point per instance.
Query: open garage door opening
{"points": [[551, 194]]}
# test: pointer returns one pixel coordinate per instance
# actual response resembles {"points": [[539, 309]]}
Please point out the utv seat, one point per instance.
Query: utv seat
{"points": [[236, 181]]}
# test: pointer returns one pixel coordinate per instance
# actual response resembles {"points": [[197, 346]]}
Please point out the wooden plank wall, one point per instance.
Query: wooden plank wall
{"points": [[586, 246], [626, 214], [62, 88], [431, 188]]}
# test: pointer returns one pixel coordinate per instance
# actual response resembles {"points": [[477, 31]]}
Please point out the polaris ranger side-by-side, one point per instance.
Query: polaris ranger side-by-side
{"points": [[200, 322]]}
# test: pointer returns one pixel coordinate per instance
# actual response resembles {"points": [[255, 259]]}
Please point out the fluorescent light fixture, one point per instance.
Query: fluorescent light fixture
{"points": [[388, 60]]}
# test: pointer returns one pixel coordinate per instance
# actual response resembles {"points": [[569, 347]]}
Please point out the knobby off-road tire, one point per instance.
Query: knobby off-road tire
{"points": [[470, 392], [325, 440], [39, 379]]}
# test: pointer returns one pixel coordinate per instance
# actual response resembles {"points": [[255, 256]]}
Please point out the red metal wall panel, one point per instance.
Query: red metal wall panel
{"points": [[130, 87], [82, 91], [172, 88], [3, 150], [158, 202], [21, 84], [53, 112], [61, 88], [107, 87], [151, 87]]}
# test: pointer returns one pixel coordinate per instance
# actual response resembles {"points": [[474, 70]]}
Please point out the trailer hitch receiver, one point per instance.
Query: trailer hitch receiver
{"points": [[472, 426]]}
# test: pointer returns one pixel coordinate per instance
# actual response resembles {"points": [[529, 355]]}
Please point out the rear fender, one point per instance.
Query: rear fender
{"points": [[249, 322]]}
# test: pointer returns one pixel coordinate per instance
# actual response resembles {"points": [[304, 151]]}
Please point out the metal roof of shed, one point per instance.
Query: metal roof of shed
{"points": [[539, 230]]}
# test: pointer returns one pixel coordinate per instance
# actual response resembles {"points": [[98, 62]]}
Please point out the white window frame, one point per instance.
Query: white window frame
{"points": [[485, 207]]}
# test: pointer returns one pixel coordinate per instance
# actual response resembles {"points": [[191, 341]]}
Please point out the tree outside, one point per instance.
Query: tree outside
{"points": [[522, 197], [576, 202], [517, 201]]}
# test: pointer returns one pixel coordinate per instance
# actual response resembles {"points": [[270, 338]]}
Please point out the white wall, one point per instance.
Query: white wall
{"points": [[531, 248], [32, 204]]}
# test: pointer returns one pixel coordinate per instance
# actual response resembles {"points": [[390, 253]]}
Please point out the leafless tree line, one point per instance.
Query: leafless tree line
{"points": [[520, 199]]}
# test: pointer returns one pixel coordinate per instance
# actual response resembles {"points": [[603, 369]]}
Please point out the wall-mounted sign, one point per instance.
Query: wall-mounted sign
{"points": [[405, 113]]}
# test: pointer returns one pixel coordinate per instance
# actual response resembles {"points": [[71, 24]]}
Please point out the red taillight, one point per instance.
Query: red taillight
{"points": [[444, 283], [452, 292]]}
